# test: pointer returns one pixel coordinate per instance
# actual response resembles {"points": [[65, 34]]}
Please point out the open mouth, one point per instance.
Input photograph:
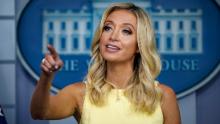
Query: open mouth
{"points": [[111, 47]]}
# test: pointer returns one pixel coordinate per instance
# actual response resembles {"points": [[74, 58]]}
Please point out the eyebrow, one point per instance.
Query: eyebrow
{"points": [[129, 24]]}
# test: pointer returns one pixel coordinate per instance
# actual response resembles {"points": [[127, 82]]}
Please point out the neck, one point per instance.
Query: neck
{"points": [[119, 74]]}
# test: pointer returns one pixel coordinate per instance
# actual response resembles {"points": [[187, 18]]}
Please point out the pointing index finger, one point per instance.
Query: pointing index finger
{"points": [[52, 50]]}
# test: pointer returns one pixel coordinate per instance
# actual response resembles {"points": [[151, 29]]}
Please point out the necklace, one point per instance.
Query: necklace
{"points": [[117, 90], [118, 98]]}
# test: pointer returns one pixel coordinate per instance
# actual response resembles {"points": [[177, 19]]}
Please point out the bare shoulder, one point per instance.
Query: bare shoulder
{"points": [[77, 88], [168, 93], [169, 105], [74, 92], [67, 101]]}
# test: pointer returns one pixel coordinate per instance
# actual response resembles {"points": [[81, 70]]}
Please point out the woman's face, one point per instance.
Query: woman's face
{"points": [[118, 42]]}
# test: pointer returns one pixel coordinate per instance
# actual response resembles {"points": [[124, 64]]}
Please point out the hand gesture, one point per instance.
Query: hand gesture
{"points": [[51, 62]]}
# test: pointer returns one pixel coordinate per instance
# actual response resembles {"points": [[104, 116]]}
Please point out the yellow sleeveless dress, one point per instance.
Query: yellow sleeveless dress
{"points": [[117, 111]]}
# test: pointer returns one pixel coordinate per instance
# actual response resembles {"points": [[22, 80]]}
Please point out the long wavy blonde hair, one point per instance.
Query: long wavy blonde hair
{"points": [[141, 91]]}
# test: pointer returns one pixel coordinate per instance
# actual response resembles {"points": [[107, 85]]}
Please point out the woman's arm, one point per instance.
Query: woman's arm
{"points": [[170, 106], [63, 104], [43, 104]]}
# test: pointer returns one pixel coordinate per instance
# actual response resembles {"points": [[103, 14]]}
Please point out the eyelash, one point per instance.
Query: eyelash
{"points": [[106, 28], [126, 31]]}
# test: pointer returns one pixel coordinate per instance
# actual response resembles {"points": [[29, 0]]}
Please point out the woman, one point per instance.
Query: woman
{"points": [[120, 85]]}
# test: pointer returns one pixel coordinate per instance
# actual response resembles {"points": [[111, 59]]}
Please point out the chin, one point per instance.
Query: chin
{"points": [[110, 59]]}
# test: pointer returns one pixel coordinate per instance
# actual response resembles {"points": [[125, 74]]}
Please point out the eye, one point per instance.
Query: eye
{"points": [[106, 28], [127, 31]]}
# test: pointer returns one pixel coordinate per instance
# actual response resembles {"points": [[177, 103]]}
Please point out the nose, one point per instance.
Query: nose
{"points": [[114, 35]]}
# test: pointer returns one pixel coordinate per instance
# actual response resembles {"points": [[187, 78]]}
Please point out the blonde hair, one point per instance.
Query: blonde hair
{"points": [[141, 91]]}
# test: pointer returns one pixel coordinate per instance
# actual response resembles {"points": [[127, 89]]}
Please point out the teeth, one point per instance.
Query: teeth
{"points": [[112, 47]]}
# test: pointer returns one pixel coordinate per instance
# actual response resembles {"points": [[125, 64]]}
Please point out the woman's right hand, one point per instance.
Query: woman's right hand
{"points": [[51, 62], [65, 102]]}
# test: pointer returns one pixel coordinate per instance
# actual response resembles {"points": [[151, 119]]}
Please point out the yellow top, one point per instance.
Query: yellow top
{"points": [[117, 111]]}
